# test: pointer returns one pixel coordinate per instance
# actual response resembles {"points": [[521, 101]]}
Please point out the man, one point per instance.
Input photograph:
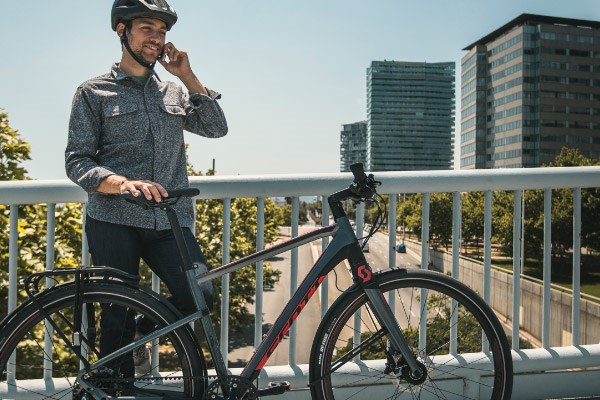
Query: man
{"points": [[126, 134]]}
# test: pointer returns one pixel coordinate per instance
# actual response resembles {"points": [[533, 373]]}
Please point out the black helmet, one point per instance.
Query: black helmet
{"points": [[126, 10]]}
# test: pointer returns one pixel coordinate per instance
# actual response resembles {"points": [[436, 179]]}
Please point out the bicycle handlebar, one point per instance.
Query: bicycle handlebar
{"points": [[174, 196], [364, 186]]}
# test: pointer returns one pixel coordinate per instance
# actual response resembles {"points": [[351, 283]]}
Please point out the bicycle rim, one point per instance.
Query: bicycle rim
{"points": [[31, 349], [453, 333]]}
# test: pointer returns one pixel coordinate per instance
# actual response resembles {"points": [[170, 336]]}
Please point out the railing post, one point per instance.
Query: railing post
{"points": [[13, 252], [260, 244], [225, 280], [575, 313], [392, 231], [487, 257], [85, 261], [516, 268], [360, 221], [547, 267], [48, 330], [424, 265], [487, 245], [456, 238], [294, 276], [324, 242]]}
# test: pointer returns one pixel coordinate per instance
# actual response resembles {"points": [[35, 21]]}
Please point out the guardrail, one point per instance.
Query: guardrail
{"points": [[531, 381]]}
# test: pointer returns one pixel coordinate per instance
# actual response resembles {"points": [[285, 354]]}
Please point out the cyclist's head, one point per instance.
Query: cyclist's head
{"points": [[127, 10]]}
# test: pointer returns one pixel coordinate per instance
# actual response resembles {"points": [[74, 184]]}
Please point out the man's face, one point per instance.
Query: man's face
{"points": [[146, 38]]}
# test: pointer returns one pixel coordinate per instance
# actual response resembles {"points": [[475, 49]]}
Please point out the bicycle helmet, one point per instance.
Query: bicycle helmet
{"points": [[127, 10]]}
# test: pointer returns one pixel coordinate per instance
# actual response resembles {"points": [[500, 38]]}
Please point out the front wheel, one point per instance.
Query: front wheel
{"points": [[458, 342]]}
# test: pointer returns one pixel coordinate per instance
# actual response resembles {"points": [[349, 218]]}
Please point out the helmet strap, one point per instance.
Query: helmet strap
{"points": [[137, 58]]}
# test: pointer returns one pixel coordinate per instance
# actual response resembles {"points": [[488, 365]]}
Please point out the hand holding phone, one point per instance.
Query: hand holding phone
{"points": [[175, 61]]}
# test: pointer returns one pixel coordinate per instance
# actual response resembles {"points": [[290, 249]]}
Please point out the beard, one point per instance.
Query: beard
{"points": [[139, 51]]}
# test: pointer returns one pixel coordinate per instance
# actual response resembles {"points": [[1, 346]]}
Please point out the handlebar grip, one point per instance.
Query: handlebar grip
{"points": [[358, 171], [186, 192], [173, 195]]}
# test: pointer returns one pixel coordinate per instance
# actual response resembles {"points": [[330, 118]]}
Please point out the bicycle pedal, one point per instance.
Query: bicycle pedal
{"points": [[275, 388]]}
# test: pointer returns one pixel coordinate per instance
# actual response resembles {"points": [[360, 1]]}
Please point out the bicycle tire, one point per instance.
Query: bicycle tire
{"points": [[336, 374], [23, 331]]}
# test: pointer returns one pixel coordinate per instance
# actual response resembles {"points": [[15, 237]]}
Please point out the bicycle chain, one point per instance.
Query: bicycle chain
{"points": [[148, 378]]}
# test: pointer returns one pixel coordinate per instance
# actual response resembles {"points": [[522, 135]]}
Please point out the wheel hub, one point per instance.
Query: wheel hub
{"points": [[415, 378]]}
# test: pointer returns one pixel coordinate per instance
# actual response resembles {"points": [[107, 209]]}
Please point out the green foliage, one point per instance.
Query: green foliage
{"points": [[472, 221], [32, 232], [410, 213], [13, 151], [286, 212], [562, 215]]}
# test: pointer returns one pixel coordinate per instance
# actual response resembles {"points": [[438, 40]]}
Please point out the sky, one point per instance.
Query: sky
{"points": [[290, 72]]}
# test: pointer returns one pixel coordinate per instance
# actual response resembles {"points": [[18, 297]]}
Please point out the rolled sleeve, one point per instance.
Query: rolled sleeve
{"points": [[205, 116]]}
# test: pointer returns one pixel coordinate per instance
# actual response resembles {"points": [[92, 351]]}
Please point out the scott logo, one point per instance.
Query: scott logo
{"points": [[364, 273]]}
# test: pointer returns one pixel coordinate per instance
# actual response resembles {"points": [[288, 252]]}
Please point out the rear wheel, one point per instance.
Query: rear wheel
{"points": [[459, 344], [31, 348]]}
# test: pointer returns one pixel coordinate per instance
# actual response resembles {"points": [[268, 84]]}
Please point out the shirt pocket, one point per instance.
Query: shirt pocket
{"points": [[123, 122]]}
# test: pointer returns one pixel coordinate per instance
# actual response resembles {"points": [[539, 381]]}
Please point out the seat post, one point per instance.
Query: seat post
{"points": [[179, 239]]}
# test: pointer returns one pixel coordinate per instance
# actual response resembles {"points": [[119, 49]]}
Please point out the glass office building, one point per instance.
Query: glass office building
{"points": [[529, 89], [410, 115], [353, 144]]}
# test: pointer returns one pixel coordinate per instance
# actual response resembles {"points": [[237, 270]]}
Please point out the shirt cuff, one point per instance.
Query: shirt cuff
{"points": [[92, 179], [196, 98]]}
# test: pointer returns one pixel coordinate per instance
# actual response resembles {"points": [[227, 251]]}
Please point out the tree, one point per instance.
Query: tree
{"points": [[562, 214], [286, 212], [32, 219], [13, 151], [562, 209], [472, 217], [440, 216]]}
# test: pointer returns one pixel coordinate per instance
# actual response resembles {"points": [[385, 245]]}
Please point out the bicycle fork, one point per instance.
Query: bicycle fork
{"points": [[385, 317]]}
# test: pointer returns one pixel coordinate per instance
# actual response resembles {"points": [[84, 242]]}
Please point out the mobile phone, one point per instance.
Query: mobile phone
{"points": [[161, 55]]}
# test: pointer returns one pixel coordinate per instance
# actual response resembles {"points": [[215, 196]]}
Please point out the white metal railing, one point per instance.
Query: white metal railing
{"points": [[573, 357]]}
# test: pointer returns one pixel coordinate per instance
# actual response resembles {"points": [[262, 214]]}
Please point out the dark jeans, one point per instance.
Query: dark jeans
{"points": [[123, 247]]}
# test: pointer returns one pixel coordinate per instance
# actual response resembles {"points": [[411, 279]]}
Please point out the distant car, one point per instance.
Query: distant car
{"points": [[401, 248]]}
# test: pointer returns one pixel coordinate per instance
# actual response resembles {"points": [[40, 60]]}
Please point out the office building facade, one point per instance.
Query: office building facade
{"points": [[353, 144], [529, 89], [410, 115]]}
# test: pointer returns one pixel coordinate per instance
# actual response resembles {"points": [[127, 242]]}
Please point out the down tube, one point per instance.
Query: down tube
{"points": [[333, 254]]}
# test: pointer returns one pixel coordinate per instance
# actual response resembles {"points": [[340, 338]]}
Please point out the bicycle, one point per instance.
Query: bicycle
{"points": [[400, 333]]}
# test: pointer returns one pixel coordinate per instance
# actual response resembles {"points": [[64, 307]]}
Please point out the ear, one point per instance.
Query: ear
{"points": [[120, 29]]}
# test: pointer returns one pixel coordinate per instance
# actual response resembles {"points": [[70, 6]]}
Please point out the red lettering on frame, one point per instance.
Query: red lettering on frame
{"points": [[288, 323]]}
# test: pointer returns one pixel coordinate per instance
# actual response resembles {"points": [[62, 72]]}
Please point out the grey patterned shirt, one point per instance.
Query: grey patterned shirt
{"points": [[118, 126]]}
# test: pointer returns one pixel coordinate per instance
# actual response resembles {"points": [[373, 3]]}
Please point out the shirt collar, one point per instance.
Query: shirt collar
{"points": [[118, 74]]}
